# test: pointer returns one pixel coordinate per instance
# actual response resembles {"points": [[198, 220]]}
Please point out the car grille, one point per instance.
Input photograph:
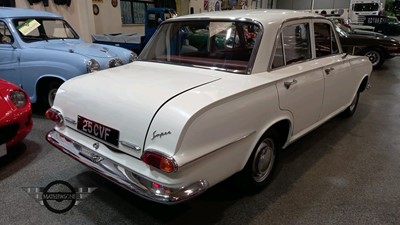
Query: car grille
{"points": [[8, 132]]}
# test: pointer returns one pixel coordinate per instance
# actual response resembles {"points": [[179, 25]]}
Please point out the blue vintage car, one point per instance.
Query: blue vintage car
{"points": [[39, 50]]}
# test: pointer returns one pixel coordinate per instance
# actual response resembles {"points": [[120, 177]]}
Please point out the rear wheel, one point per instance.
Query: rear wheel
{"points": [[258, 170], [49, 93], [376, 57]]}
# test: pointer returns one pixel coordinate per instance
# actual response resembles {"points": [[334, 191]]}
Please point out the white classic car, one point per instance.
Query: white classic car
{"points": [[211, 95]]}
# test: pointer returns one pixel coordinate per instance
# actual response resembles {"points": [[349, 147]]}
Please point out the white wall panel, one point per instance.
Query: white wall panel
{"points": [[323, 4], [338, 4], [306, 4], [284, 4], [302, 4]]}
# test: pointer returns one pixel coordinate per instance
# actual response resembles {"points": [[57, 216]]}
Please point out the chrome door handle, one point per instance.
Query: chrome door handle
{"points": [[289, 83], [329, 70]]}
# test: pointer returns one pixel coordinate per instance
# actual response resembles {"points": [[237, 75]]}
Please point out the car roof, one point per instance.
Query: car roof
{"points": [[261, 15], [10, 12]]}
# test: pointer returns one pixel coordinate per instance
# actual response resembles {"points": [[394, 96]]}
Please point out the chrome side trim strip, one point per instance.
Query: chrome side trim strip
{"points": [[219, 148], [124, 177], [130, 145], [69, 120]]}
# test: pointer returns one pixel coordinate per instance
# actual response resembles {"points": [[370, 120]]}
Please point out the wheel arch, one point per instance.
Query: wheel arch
{"points": [[282, 125], [364, 84], [45, 80], [384, 51], [279, 129], [283, 128], [378, 47]]}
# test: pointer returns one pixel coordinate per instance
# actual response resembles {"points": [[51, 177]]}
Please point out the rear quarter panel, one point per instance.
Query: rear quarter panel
{"points": [[213, 136], [361, 69]]}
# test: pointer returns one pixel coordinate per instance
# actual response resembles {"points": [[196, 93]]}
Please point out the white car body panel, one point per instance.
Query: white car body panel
{"points": [[126, 84], [208, 121], [310, 85]]}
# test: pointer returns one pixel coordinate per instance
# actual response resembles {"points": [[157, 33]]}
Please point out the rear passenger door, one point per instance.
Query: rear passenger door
{"points": [[301, 82], [338, 85]]}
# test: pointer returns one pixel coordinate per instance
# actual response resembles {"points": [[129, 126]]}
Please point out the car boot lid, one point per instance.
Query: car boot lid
{"points": [[129, 97]]}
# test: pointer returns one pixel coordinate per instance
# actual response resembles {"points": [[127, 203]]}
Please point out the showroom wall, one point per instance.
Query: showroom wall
{"points": [[198, 6], [318, 4], [81, 17], [108, 20], [76, 14]]}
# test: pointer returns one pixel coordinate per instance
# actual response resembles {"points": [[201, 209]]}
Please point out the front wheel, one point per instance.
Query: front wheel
{"points": [[351, 109], [258, 170], [375, 56]]}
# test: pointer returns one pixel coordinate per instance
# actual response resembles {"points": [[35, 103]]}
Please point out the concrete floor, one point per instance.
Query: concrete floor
{"points": [[345, 172]]}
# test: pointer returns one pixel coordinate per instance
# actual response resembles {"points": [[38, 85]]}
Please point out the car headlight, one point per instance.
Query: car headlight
{"points": [[115, 63], [92, 66], [18, 98], [132, 57]]}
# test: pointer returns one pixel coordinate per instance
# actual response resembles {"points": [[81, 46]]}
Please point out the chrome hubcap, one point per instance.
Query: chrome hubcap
{"points": [[51, 96], [374, 57], [263, 160]]}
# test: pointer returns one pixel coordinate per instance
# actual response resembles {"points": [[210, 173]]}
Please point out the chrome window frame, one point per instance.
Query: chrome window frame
{"points": [[311, 20]]}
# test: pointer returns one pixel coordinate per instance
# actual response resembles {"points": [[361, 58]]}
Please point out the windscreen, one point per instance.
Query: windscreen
{"points": [[38, 29], [366, 7]]}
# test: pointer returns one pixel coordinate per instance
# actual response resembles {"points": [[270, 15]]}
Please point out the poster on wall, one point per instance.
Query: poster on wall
{"points": [[206, 5]]}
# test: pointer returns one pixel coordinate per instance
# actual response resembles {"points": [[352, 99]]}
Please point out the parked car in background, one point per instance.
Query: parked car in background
{"points": [[394, 25], [211, 95], [136, 42], [387, 25], [375, 46], [39, 51], [15, 115], [346, 22]]}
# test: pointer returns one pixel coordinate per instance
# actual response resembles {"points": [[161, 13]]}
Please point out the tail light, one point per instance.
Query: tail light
{"points": [[55, 116], [160, 161]]}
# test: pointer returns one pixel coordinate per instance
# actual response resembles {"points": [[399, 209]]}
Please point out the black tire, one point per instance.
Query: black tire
{"points": [[375, 56], [351, 109], [49, 92], [259, 168]]}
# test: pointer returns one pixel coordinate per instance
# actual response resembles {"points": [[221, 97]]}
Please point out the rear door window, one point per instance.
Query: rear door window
{"points": [[325, 40], [293, 45]]}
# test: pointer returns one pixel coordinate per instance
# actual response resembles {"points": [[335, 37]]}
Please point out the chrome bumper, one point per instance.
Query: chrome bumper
{"points": [[124, 177]]}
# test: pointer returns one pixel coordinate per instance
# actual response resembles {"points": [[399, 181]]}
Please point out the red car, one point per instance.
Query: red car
{"points": [[15, 115]]}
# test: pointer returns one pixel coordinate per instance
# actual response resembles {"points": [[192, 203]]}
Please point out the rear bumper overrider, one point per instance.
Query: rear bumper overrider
{"points": [[123, 176]]}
